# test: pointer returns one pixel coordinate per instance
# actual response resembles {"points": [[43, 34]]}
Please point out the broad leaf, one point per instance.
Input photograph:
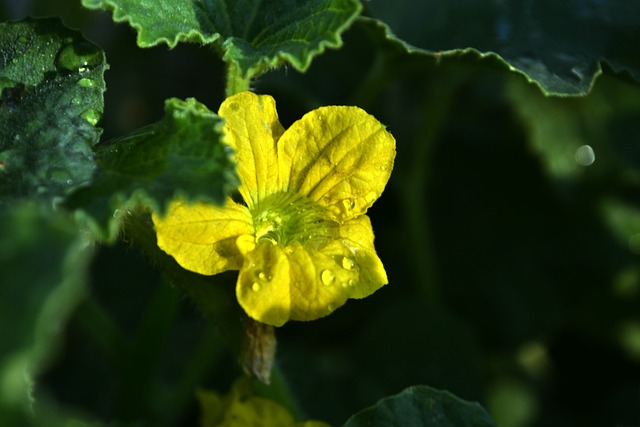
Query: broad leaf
{"points": [[51, 87], [254, 35], [35, 302], [181, 156], [559, 45], [422, 406]]}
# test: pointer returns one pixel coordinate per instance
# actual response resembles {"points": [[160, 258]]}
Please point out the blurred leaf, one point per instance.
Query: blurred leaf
{"points": [[624, 221], [422, 406], [558, 45], [254, 35], [51, 83], [589, 136], [35, 302], [181, 156]]}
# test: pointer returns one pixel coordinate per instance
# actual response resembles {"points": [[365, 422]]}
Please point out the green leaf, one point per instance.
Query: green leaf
{"points": [[181, 156], [51, 98], [422, 406], [35, 302], [254, 35], [558, 45]]}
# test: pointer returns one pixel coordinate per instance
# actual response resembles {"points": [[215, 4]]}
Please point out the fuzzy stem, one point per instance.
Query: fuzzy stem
{"points": [[235, 81]]}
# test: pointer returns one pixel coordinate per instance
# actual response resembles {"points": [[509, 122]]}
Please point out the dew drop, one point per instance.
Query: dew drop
{"points": [[327, 277], [87, 82], [264, 277], [256, 286], [330, 308], [348, 263], [77, 57], [348, 204], [585, 156], [76, 101], [91, 116]]}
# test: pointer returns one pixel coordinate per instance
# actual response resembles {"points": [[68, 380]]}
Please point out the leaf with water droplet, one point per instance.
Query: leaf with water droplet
{"points": [[47, 119], [78, 56], [569, 134], [91, 116]]}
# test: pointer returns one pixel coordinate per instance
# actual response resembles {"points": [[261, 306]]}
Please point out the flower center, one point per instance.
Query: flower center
{"points": [[285, 218]]}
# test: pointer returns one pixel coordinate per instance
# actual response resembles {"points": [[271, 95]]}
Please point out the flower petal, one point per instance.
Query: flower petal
{"points": [[339, 156], [357, 235], [252, 129], [304, 282], [202, 237], [263, 285]]}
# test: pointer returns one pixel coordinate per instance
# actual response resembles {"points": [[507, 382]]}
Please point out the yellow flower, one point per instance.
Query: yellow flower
{"points": [[301, 239], [240, 408]]}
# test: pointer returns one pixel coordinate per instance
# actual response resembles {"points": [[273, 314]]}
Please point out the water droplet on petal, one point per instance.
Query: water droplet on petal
{"points": [[348, 204], [256, 286], [348, 263], [330, 308], [327, 277], [264, 276]]}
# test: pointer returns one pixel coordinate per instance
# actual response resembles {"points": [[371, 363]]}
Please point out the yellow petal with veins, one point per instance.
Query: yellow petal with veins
{"points": [[252, 129], [263, 285], [340, 157], [304, 282], [202, 237]]}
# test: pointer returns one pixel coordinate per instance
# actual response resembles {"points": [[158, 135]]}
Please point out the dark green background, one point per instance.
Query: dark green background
{"points": [[512, 281]]}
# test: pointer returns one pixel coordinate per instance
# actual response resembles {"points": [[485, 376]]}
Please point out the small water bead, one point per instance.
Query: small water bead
{"points": [[91, 116], [87, 82], [349, 283], [327, 277], [256, 287], [330, 308], [348, 204], [78, 57], [585, 155], [264, 276], [348, 263]]}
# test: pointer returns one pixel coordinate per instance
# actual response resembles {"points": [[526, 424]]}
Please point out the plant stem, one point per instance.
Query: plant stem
{"points": [[235, 81]]}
